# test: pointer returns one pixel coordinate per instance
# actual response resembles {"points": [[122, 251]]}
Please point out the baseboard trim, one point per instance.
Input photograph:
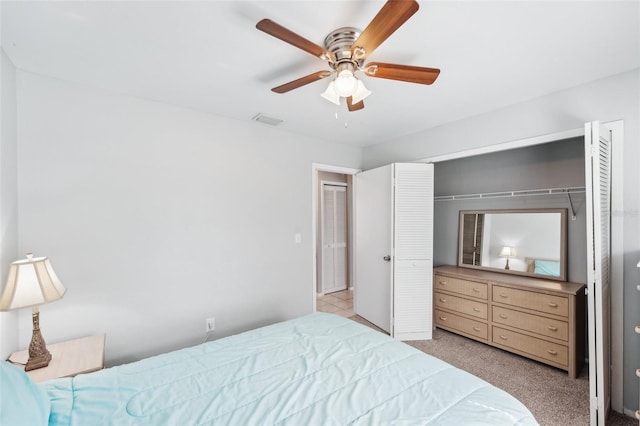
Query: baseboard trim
{"points": [[630, 413]]}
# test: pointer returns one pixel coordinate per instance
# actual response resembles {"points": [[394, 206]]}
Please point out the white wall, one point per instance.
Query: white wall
{"points": [[157, 217], [609, 99], [8, 195], [541, 234]]}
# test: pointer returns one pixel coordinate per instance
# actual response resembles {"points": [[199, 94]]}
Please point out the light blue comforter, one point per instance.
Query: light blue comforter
{"points": [[320, 369]]}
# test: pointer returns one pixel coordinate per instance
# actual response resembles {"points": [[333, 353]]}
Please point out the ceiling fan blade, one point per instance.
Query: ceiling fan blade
{"points": [[354, 107], [392, 15], [407, 73], [286, 35], [319, 75]]}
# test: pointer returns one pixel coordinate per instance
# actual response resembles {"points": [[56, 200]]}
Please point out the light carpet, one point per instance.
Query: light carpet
{"points": [[552, 397]]}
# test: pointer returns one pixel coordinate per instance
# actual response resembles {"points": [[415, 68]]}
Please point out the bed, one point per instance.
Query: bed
{"points": [[549, 267], [319, 369]]}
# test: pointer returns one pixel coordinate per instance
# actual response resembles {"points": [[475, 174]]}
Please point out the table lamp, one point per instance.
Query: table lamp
{"points": [[507, 252], [32, 282]]}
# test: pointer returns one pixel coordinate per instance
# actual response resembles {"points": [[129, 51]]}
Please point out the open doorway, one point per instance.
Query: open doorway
{"points": [[333, 245]]}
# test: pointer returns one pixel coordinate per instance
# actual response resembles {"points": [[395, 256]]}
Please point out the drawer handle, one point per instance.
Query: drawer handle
{"points": [[443, 300], [552, 352], [503, 337], [442, 282], [443, 318], [503, 316], [476, 290], [553, 305], [476, 309], [476, 328], [552, 328], [503, 295]]}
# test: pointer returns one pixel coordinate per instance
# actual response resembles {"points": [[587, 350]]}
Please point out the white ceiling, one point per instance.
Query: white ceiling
{"points": [[208, 55]]}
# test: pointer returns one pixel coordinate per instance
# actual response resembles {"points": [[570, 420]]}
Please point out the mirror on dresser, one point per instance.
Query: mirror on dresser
{"points": [[531, 242]]}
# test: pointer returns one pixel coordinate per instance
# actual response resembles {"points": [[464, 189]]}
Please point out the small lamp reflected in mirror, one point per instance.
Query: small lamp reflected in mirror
{"points": [[32, 282], [507, 252]]}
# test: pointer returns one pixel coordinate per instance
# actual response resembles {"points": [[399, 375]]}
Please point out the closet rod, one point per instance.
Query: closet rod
{"points": [[507, 194]]}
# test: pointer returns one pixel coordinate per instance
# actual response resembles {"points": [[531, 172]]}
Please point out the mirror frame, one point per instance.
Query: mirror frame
{"points": [[563, 242]]}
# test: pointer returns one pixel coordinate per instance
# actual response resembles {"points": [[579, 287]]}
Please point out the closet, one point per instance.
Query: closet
{"points": [[333, 236], [595, 260]]}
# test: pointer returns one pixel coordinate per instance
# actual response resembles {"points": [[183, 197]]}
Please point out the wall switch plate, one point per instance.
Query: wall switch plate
{"points": [[298, 238], [211, 324]]}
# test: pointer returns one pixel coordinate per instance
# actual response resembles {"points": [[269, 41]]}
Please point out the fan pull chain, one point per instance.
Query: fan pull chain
{"points": [[337, 115]]}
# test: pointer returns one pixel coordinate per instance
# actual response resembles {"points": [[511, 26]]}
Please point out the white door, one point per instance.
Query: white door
{"points": [[413, 252], [373, 226], [394, 244], [334, 237], [598, 184]]}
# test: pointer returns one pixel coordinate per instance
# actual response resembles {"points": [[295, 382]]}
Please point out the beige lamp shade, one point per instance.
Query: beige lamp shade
{"points": [[507, 252], [31, 282]]}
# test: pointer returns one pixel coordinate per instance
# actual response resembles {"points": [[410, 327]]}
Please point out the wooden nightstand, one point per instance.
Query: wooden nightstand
{"points": [[68, 359]]}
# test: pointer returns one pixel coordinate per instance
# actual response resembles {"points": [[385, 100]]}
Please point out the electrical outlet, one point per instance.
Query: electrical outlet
{"points": [[211, 324]]}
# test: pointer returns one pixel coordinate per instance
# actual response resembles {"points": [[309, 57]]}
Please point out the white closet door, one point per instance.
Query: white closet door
{"points": [[394, 244], [598, 184], [340, 238], [413, 249], [334, 238], [373, 213]]}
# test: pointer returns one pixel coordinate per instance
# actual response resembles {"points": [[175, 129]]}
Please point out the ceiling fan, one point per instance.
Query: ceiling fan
{"points": [[346, 50]]}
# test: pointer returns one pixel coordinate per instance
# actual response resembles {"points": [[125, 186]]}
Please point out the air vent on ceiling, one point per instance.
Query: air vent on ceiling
{"points": [[266, 119]]}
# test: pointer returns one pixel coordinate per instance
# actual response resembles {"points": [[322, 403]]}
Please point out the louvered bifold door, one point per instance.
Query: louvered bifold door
{"points": [[340, 239], [334, 238], [598, 205], [413, 248], [637, 330]]}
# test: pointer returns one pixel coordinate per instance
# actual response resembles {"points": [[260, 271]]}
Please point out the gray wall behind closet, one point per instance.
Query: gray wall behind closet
{"points": [[552, 165]]}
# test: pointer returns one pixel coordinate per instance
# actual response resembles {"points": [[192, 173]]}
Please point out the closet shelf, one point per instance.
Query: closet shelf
{"points": [[507, 194]]}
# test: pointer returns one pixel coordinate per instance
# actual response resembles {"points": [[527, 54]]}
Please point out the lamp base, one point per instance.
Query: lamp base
{"points": [[39, 355], [38, 362], [507, 265]]}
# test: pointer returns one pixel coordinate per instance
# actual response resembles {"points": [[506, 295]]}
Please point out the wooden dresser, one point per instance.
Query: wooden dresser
{"points": [[536, 318]]}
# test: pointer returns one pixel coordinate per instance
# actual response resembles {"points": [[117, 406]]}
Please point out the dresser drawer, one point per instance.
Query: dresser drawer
{"points": [[557, 305], [464, 325], [533, 323], [455, 285], [553, 352], [458, 304]]}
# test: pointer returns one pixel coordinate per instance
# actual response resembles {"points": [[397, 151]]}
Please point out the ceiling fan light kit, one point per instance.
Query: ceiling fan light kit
{"points": [[346, 84], [361, 92], [347, 48], [331, 95]]}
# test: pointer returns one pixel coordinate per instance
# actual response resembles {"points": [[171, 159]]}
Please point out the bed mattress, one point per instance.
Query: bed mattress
{"points": [[319, 369]]}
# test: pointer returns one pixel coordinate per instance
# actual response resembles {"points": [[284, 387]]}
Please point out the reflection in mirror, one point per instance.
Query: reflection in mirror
{"points": [[521, 242]]}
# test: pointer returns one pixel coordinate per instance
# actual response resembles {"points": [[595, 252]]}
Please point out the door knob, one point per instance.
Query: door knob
{"points": [[387, 258]]}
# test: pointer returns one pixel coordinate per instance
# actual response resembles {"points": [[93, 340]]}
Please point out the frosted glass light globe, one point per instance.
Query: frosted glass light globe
{"points": [[346, 84]]}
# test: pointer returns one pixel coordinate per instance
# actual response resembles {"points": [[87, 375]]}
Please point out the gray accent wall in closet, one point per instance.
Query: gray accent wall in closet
{"points": [[557, 164]]}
